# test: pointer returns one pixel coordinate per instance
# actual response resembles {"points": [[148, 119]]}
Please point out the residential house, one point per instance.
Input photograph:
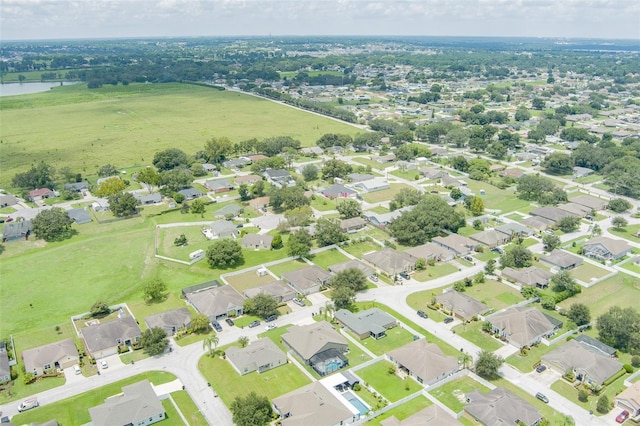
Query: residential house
{"points": [[318, 345], [605, 248], [17, 230], [431, 173], [352, 263], [383, 219], [596, 346], [261, 355], [102, 340], [41, 194], [512, 229], [217, 302], [530, 276], [458, 244], [538, 223], [424, 361], [554, 214], [100, 205], [511, 173], [430, 251], [523, 326], [170, 321], [384, 158], [501, 407], [575, 209], [257, 241], [106, 178], [209, 168], [314, 405], [371, 322], [490, 238], [579, 172], [221, 229], [198, 287], [230, 210], [312, 150], [247, 180], [62, 354], [629, 399], [589, 366], [372, 185], [433, 415], [307, 280], [358, 177], [561, 260], [218, 186], [591, 202], [77, 186], [190, 193], [146, 199], [451, 182], [352, 225], [137, 405], [5, 368], [391, 261], [252, 158], [279, 177], [7, 201], [235, 163], [338, 191], [462, 306], [259, 203], [278, 289]]}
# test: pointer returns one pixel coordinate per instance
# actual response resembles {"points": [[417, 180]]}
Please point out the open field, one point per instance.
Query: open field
{"points": [[620, 290], [247, 280], [385, 194], [81, 128]]}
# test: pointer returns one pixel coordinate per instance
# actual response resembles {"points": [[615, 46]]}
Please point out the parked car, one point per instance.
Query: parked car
{"points": [[240, 225], [9, 219], [230, 322], [373, 278], [216, 325], [549, 232], [254, 324], [468, 258], [422, 314], [542, 398], [104, 364], [28, 404], [541, 368], [299, 302], [271, 326], [622, 417], [271, 318], [5, 419], [447, 320], [405, 275], [497, 250]]}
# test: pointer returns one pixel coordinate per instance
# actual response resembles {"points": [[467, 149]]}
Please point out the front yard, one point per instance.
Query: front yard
{"points": [[473, 333], [403, 411], [433, 272], [389, 385]]}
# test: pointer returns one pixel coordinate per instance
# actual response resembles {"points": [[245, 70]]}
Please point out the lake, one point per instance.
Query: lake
{"points": [[14, 89]]}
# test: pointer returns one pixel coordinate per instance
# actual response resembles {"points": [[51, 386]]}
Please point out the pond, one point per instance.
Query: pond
{"points": [[15, 89]]}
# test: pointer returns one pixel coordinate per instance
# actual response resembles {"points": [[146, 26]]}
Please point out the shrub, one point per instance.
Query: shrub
{"points": [[603, 405], [635, 361], [628, 368], [583, 395], [357, 387]]}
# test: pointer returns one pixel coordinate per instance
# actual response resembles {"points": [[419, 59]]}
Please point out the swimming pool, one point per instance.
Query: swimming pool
{"points": [[353, 400]]}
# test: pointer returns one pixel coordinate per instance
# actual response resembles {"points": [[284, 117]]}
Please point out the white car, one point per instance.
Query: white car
{"points": [[271, 326], [104, 364]]}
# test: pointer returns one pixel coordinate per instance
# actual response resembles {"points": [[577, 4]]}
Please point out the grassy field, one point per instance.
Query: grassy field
{"points": [[473, 333], [188, 408], [81, 128], [328, 258], [588, 272], [403, 411], [620, 290], [452, 394], [385, 194], [247, 280], [396, 337], [75, 410], [391, 386], [499, 199], [433, 272], [361, 248]]}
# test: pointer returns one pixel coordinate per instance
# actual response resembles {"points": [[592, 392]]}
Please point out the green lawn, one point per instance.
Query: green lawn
{"points": [[280, 268], [371, 163], [391, 386], [433, 272], [473, 333], [407, 174], [396, 337], [504, 200], [494, 294], [376, 233], [361, 248], [588, 272], [452, 394], [631, 266], [328, 258], [246, 280], [403, 411], [323, 204], [128, 124], [620, 290], [380, 209], [75, 410], [385, 194], [188, 408], [171, 414], [534, 355], [629, 232]]}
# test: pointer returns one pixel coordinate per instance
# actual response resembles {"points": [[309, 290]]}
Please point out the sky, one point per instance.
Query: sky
{"points": [[79, 19]]}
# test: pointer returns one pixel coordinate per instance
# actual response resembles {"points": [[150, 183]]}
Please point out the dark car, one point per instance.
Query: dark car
{"points": [[423, 314], [271, 318], [9, 219], [230, 322], [542, 398], [447, 320], [5, 419], [541, 368], [622, 416], [405, 275], [254, 324], [497, 250], [239, 225], [216, 325]]}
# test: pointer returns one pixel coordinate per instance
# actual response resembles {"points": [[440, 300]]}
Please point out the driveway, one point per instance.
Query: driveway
{"points": [[547, 377]]}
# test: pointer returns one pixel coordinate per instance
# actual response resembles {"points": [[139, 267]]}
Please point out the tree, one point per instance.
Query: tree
{"points": [[541, 189], [109, 187], [277, 241], [619, 205], [262, 305], [251, 410], [243, 341], [551, 242], [154, 290], [310, 172], [329, 232], [180, 241], [107, 170], [579, 314], [38, 176], [170, 159], [288, 198], [458, 136], [52, 225], [210, 343], [490, 267], [596, 230], [558, 163], [224, 253], [477, 206], [175, 180], [123, 204], [538, 103], [522, 114], [198, 207], [351, 277], [563, 281], [497, 150], [335, 168], [529, 292], [619, 223], [299, 244], [343, 297], [100, 309], [516, 256], [149, 177], [200, 323], [583, 395], [243, 192], [488, 364], [569, 224], [405, 197], [216, 150], [299, 216], [154, 341], [603, 406], [465, 359], [258, 189], [620, 328], [349, 208]]}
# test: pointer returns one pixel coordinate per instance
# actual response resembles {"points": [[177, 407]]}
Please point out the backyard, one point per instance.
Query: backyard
{"points": [[403, 411], [395, 338], [328, 257], [620, 290], [452, 394], [385, 194], [389, 385]]}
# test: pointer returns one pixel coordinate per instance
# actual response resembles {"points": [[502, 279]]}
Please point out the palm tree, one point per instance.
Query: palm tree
{"points": [[210, 343], [465, 359], [243, 341]]}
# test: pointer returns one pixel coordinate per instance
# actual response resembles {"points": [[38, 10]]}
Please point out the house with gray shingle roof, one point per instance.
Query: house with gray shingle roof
{"points": [[458, 244], [137, 405], [170, 321], [562, 260], [531, 276], [462, 306], [629, 399], [371, 322], [490, 238], [588, 365], [277, 289], [62, 354], [17, 230], [391, 261], [338, 191], [430, 251], [523, 326], [606, 248], [433, 415], [307, 341], [260, 355], [424, 362], [352, 225], [307, 280], [257, 241], [217, 302], [103, 340], [7, 200], [312, 404], [190, 193], [501, 407], [218, 185], [77, 186], [352, 263], [232, 210], [145, 199], [223, 228], [511, 229]]}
